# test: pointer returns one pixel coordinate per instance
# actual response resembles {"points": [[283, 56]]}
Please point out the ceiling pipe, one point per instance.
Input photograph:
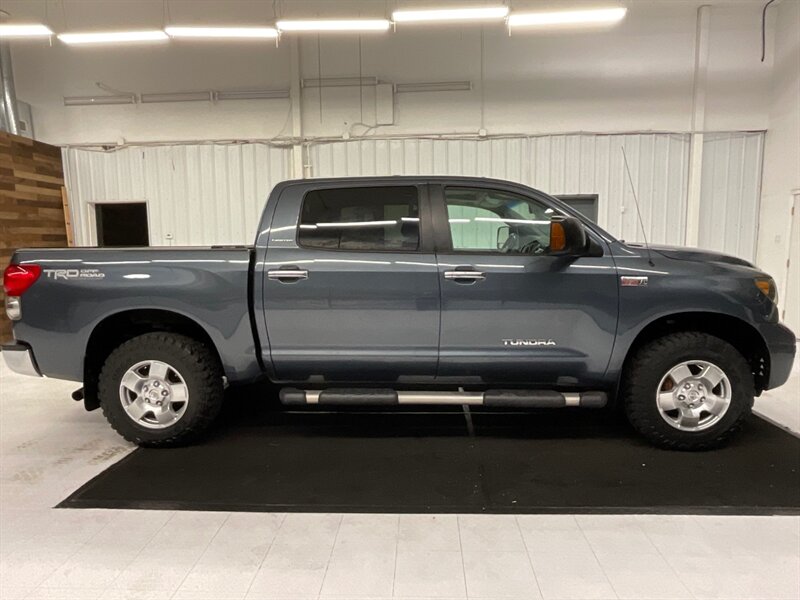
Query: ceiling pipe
{"points": [[9, 120]]}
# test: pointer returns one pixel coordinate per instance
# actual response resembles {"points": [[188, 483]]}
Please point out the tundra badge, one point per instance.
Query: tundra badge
{"points": [[528, 342]]}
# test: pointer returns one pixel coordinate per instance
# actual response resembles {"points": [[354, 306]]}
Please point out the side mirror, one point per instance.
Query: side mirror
{"points": [[503, 233], [567, 237]]}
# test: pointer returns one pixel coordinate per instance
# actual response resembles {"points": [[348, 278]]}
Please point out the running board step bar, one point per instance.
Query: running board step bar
{"points": [[390, 397]]}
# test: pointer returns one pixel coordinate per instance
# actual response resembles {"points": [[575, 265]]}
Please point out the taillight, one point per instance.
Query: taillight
{"points": [[18, 278]]}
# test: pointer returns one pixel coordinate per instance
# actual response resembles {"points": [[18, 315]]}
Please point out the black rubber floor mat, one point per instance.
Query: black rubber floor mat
{"points": [[265, 459]]}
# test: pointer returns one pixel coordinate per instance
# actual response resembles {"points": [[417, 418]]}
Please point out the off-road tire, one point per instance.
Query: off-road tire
{"points": [[652, 362], [197, 364]]}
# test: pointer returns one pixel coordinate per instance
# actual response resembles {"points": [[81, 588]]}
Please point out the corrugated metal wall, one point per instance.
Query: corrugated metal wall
{"points": [[204, 194], [196, 194], [557, 164], [731, 188]]}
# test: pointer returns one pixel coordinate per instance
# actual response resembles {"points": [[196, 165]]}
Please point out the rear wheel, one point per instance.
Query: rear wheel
{"points": [[688, 391], [161, 389]]}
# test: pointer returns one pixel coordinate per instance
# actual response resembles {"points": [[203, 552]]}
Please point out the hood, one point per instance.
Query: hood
{"points": [[697, 254]]}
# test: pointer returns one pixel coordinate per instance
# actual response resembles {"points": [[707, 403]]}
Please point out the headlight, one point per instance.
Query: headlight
{"points": [[767, 287]]}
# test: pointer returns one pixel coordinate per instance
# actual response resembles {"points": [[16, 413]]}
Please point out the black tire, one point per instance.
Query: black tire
{"points": [[197, 365], [655, 359]]}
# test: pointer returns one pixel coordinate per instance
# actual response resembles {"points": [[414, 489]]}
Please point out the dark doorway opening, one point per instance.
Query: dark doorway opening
{"points": [[586, 204], [122, 224]]}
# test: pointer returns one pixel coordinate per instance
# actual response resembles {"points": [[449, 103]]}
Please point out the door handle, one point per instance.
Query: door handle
{"points": [[464, 276], [287, 275]]}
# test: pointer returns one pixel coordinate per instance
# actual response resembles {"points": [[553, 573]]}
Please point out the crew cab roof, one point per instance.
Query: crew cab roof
{"points": [[405, 179]]}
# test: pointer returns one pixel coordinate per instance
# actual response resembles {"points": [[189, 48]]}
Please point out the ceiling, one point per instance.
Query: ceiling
{"points": [[74, 15]]}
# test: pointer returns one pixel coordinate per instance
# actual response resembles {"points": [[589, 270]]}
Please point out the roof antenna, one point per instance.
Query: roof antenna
{"points": [[638, 212]]}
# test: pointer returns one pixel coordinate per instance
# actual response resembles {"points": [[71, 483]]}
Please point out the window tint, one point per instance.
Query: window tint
{"points": [[492, 221], [363, 218]]}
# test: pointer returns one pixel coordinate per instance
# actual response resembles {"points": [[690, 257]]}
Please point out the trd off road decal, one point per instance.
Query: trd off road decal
{"points": [[67, 274]]}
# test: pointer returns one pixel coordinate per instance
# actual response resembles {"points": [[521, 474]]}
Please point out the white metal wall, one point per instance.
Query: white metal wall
{"points": [[731, 189], [557, 164], [196, 194], [213, 194]]}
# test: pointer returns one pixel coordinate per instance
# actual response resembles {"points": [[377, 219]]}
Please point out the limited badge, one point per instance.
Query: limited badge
{"points": [[628, 281]]}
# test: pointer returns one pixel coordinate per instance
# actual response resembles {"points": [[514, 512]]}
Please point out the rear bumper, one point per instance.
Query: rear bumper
{"points": [[782, 346], [19, 358]]}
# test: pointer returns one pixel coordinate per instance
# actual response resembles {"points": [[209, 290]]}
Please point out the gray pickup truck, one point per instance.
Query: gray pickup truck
{"points": [[405, 290]]}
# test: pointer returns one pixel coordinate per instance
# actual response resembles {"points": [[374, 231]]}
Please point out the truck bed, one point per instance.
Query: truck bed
{"points": [[80, 288]]}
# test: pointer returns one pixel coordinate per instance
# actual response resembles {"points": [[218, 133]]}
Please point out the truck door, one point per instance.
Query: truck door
{"points": [[351, 288], [511, 312]]}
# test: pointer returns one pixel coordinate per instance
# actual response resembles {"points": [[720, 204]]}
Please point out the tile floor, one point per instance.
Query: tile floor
{"points": [[49, 446]]}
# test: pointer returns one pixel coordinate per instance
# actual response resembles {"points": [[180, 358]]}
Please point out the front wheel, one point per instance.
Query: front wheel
{"points": [[161, 389], [688, 391]]}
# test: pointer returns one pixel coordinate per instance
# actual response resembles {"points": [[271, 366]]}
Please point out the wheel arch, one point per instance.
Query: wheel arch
{"points": [[737, 332], [119, 327]]}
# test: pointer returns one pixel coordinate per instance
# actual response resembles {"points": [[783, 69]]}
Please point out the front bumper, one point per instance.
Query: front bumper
{"points": [[19, 358], [782, 346]]}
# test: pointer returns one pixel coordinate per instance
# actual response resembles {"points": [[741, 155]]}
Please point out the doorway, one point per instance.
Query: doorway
{"points": [[122, 224], [586, 204]]}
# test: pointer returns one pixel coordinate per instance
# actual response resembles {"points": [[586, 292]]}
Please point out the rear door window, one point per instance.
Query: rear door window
{"points": [[367, 219]]}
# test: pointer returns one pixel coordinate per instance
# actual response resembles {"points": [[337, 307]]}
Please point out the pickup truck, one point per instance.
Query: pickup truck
{"points": [[405, 290]]}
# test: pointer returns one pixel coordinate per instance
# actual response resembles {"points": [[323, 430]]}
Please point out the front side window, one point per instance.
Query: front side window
{"points": [[493, 221], [361, 219]]}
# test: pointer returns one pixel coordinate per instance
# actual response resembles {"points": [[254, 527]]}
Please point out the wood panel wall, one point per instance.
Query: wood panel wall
{"points": [[31, 205]]}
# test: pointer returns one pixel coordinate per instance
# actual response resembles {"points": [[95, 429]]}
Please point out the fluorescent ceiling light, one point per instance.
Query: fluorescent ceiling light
{"points": [[252, 94], [358, 224], [95, 100], [566, 17], [486, 13], [502, 220], [438, 86], [339, 82], [335, 25], [20, 31], [177, 97], [223, 32], [107, 37]]}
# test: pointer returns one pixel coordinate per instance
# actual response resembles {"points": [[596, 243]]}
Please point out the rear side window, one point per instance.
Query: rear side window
{"points": [[361, 219]]}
